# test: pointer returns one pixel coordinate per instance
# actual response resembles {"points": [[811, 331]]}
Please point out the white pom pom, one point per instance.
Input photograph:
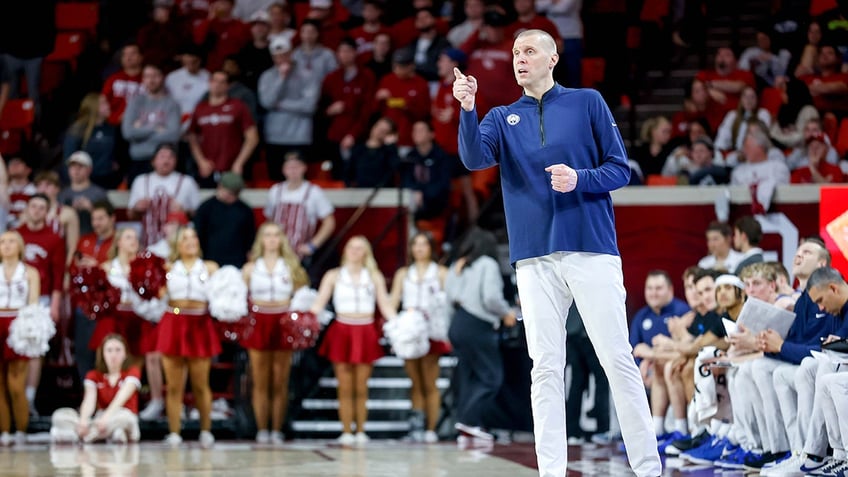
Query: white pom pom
{"points": [[438, 317], [303, 299], [325, 317], [227, 294], [150, 310], [408, 334], [31, 330]]}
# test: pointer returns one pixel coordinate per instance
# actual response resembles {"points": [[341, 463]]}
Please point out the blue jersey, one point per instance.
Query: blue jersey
{"points": [[809, 326], [646, 323], [568, 126]]}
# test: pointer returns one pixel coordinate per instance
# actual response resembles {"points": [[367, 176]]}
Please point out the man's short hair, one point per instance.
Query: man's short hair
{"points": [[39, 196], [761, 269], [823, 252], [778, 269], [660, 273], [47, 176], [824, 276], [706, 272], [547, 40], [752, 229], [105, 206], [721, 227], [691, 272]]}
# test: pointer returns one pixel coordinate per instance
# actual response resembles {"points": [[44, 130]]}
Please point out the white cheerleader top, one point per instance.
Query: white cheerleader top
{"points": [[271, 285], [119, 278], [184, 284], [350, 297], [418, 291], [14, 292]]}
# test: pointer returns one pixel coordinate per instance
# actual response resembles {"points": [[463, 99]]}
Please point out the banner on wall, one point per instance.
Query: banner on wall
{"points": [[833, 223]]}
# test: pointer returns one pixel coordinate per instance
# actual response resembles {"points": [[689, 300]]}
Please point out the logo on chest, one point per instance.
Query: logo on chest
{"points": [[513, 119]]}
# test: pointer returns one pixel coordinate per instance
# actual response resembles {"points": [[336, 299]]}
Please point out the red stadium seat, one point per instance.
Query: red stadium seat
{"points": [[68, 47], [78, 16], [771, 99], [16, 125], [658, 180], [592, 71], [841, 143], [817, 7]]}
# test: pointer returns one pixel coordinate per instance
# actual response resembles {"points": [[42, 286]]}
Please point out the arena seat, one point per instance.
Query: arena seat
{"points": [[16, 123], [78, 17], [592, 71], [771, 99]]}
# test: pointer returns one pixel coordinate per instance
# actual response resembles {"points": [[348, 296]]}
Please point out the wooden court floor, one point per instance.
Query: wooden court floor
{"points": [[311, 459]]}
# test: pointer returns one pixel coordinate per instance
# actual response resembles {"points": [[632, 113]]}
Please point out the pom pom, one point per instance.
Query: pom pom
{"points": [[92, 292], [147, 275], [227, 294], [150, 310], [31, 330], [303, 299], [408, 334], [438, 317], [303, 329]]}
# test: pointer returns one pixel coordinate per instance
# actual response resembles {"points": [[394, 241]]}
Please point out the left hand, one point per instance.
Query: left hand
{"points": [[101, 426], [509, 319], [563, 178], [770, 341]]}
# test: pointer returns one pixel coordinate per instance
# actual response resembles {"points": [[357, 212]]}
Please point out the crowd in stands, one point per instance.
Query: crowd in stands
{"points": [[747, 394]]}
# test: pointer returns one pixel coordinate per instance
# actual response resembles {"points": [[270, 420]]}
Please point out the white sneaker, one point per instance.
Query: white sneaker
{"points": [[173, 439], [119, 436], [152, 411], [207, 440], [346, 439], [474, 431], [6, 439], [277, 438], [788, 468], [361, 438], [431, 437], [263, 437], [20, 438]]}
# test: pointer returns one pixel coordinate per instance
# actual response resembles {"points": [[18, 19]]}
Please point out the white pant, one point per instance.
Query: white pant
{"points": [[768, 408], [65, 421], [743, 394], [823, 427], [547, 285], [837, 383]]}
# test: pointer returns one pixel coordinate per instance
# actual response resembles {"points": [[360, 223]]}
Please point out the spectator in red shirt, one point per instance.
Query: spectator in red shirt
{"points": [[322, 12], [221, 34], [45, 251], [529, 20], [829, 87], [489, 53], [404, 96], [161, 39], [223, 134], [817, 170], [726, 82], [347, 102], [372, 25], [92, 251], [122, 86], [405, 31], [109, 407]]}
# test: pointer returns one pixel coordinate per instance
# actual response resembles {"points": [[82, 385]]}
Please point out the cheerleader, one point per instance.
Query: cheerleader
{"points": [[109, 407], [351, 342], [415, 286], [19, 287], [139, 333], [272, 276], [187, 337]]}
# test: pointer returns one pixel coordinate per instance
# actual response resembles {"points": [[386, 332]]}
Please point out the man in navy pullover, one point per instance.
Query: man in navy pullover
{"points": [[560, 154]]}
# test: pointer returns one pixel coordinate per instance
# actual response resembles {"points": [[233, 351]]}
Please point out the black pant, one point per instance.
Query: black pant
{"points": [[478, 375], [581, 357], [83, 329]]}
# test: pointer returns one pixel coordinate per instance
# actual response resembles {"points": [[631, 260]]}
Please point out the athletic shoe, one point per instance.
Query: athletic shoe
{"points": [[812, 467], [173, 439], [669, 438], [6, 439], [757, 462], [576, 441], [361, 438], [605, 438], [57, 436], [277, 438], [152, 411], [838, 471], [789, 467], [430, 437], [207, 440], [119, 436], [474, 431], [346, 439], [682, 445], [708, 452], [734, 459], [20, 438], [263, 437]]}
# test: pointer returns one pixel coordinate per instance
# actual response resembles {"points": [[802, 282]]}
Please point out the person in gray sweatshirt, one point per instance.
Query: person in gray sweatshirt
{"points": [[151, 118], [289, 92]]}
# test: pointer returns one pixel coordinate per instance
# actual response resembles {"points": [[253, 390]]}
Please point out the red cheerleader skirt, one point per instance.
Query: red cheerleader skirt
{"points": [[278, 329], [351, 341], [6, 318], [439, 348], [188, 333], [139, 333]]}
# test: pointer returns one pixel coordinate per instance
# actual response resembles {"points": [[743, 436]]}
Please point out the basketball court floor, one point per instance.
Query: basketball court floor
{"points": [[313, 459]]}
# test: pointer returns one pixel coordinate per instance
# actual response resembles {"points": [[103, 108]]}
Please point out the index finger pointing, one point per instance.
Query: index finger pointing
{"points": [[458, 74]]}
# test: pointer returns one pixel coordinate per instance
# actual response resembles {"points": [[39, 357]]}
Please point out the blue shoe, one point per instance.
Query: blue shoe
{"points": [[710, 452], [838, 471], [669, 438], [811, 467], [734, 459]]}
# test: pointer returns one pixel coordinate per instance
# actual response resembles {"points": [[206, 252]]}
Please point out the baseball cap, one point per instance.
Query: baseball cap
{"points": [[456, 55], [260, 16], [320, 3], [280, 45], [232, 182], [817, 136], [728, 279], [80, 157], [495, 18], [404, 56]]}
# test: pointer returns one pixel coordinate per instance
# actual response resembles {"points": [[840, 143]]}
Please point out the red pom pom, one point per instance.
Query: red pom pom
{"points": [[147, 275], [304, 329], [92, 293]]}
